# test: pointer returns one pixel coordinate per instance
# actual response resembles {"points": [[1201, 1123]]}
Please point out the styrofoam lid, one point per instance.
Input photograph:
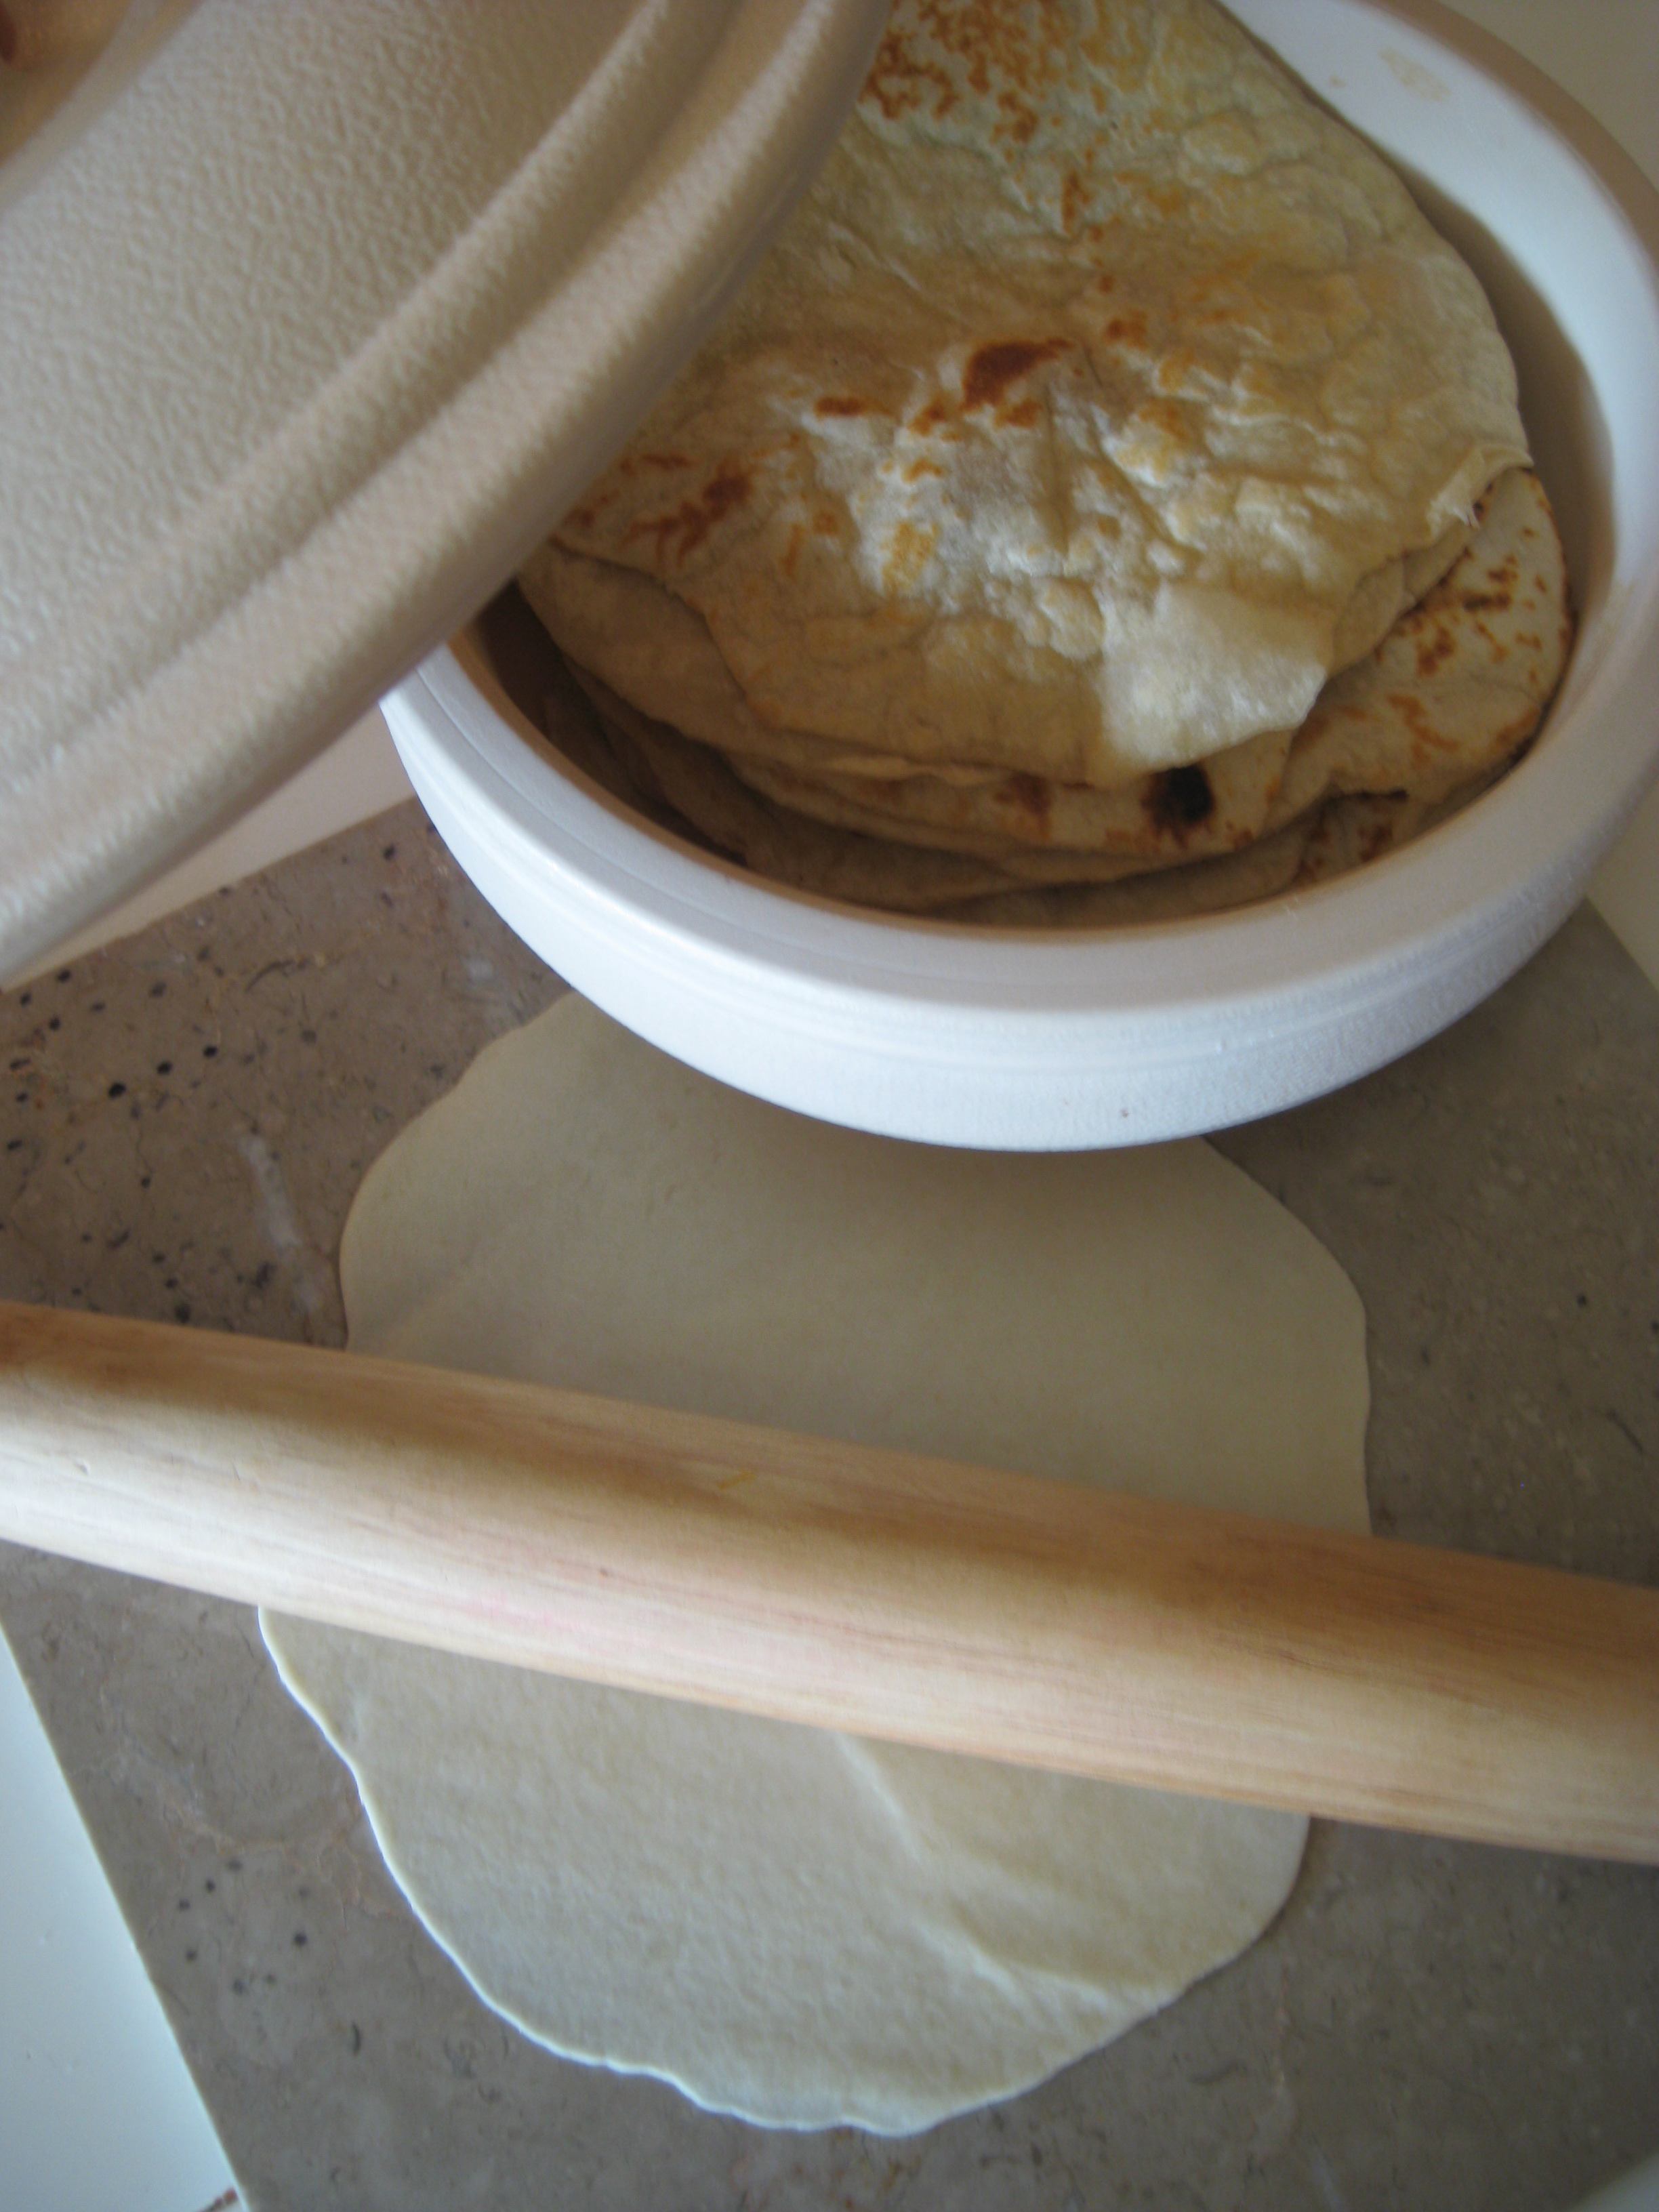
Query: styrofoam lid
{"points": [[312, 319]]}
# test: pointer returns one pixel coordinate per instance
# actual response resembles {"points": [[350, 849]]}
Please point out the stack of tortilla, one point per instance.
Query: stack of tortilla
{"points": [[1107, 499]]}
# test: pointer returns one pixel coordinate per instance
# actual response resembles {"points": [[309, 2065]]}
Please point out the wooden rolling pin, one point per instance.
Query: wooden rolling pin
{"points": [[1022, 1618]]}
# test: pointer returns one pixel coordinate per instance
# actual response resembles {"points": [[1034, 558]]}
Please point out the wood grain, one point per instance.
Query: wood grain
{"points": [[1016, 1618]]}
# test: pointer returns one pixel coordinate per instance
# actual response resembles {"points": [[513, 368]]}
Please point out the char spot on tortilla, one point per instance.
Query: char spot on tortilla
{"points": [[1180, 798], [840, 403], [1426, 738], [681, 532], [977, 47], [908, 551], [899, 84], [584, 516], [1433, 651], [992, 368], [1500, 580], [1029, 796]]}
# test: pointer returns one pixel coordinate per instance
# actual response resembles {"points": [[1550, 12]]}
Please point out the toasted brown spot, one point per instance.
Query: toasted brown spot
{"points": [[1011, 56], [937, 411], [1022, 416], [585, 516], [1021, 120], [837, 403], [826, 524], [1030, 797], [1434, 651], [992, 368], [918, 470], [899, 84], [908, 552], [685, 529], [1412, 714], [1129, 330], [1500, 583], [1178, 800], [1174, 370], [1163, 417]]}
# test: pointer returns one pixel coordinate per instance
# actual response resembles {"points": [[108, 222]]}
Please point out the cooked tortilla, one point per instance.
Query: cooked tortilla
{"points": [[1454, 691], [1103, 397], [1457, 684]]}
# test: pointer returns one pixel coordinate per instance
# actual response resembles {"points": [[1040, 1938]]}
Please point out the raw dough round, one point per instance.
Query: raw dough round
{"points": [[802, 1927]]}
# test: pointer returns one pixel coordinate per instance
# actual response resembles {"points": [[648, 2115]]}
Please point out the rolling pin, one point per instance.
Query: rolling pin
{"points": [[1008, 1616]]}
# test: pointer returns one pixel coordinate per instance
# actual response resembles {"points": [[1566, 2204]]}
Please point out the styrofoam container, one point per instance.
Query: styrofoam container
{"points": [[1016, 1040]]}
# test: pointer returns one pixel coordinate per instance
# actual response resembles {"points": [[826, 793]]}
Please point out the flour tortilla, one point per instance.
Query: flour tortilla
{"points": [[669, 669], [798, 1927], [1452, 693], [1460, 681], [1103, 398]]}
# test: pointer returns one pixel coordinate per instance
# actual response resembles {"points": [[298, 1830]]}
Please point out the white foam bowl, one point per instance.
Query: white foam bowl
{"points": [[1013, 1040]]}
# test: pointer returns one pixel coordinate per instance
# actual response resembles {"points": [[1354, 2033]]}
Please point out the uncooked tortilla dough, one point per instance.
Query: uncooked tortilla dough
{"points": [[798, 1927]]}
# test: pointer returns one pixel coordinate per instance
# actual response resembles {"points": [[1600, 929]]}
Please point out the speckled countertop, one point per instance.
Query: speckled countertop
{"points": [[183, 1120]]}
